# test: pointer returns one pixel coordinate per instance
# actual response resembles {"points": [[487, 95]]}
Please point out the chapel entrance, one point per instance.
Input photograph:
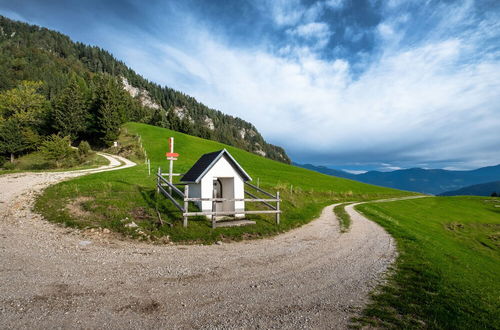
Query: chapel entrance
{"points": [[223, 188]]}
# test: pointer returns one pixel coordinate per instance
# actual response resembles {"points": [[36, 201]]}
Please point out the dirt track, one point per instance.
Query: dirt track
{"points": [[311, 277]]}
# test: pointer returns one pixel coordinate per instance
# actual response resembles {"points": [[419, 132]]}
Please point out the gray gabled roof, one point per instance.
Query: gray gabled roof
{"points": [[207, 161]]}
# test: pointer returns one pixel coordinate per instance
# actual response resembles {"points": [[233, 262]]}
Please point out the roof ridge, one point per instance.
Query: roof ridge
{"points": [[207, 161]]}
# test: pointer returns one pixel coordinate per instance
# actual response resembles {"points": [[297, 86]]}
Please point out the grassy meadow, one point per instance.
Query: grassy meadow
{"points": [[447, 273], [113, 199]]}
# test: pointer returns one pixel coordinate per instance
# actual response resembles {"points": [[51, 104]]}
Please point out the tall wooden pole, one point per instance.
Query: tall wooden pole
{"points": [[171, 171]]}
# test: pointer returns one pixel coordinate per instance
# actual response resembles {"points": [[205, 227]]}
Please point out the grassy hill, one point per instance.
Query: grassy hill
{"points": [[108, 199], [447, 272], [483, 189]]}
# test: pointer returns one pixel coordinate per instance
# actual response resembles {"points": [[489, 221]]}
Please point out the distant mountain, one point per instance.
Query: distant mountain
{"points": [[30, 52], [483, 189], [326, 170], [420, 180]]}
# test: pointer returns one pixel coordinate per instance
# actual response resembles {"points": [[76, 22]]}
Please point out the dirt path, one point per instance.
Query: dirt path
{"points": [[311, 277]]}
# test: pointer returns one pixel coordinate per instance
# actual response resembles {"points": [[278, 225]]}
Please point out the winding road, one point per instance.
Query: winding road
{"points": [[55, 277]]}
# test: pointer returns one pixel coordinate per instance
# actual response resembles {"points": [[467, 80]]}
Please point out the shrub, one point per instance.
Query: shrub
{"points": [[8, 165], [84, 149], [58, 149]]}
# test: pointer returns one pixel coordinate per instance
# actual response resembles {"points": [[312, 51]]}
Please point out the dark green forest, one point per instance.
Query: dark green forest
{"points": [[52, 85]]}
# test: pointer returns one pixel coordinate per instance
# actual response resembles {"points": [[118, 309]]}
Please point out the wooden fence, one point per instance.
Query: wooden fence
{"points": [[169, 190]]}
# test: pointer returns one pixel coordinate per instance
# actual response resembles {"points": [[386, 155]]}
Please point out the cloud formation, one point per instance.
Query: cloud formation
{"points": [[404, 84]]}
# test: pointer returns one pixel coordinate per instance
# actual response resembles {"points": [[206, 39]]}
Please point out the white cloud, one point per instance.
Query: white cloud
{"points": [[312, 30], [319, 33], [335, 4], [284, 12], [432, 101], [386, 30], [354, 171], [294, 12]]}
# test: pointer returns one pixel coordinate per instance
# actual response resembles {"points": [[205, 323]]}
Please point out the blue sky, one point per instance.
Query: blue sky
{"points": [[353, 84]]}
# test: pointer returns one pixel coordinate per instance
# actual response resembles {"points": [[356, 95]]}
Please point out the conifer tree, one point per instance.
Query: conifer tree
{"points": [[110, 109], [70, 111], [16, 138]]}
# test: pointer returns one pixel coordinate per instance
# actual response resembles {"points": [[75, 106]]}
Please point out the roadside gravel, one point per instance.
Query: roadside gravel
{"points": [[55, 277]]}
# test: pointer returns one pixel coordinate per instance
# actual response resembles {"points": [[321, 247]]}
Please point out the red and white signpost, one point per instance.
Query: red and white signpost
{"points": [[171, 156]]}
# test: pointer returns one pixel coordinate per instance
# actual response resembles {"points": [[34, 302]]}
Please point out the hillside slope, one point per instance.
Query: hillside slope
{"points": [[446, 276], [111, 197], [483, 189], [29, 52]]}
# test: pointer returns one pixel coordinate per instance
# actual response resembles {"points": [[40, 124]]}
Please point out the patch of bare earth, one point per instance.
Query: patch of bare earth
{"points": [[76, 207]]}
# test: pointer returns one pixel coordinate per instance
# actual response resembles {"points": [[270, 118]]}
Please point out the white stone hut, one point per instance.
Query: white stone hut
{"points": [[217, 175]]}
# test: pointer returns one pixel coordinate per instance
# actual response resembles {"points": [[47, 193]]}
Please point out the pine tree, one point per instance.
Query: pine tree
{"points": [[15, 138], [110, 109], [70, 111]]}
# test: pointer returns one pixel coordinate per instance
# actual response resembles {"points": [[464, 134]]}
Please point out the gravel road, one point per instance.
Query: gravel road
{"points": [[54, 277]]}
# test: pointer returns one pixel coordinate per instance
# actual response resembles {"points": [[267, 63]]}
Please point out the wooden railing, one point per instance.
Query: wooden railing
{"points": [[163, 183]]}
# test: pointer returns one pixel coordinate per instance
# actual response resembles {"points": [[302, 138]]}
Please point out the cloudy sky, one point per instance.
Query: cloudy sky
{"points": [[353, 84]]}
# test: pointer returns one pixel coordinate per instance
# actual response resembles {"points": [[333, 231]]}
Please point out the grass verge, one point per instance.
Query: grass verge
{"points": [[34, 162], [343, 217], [114, 199], [446, 276]]}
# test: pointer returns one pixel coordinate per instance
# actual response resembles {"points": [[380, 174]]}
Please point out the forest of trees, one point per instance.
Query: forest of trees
{"points": [[52, 85], [79, 112]]}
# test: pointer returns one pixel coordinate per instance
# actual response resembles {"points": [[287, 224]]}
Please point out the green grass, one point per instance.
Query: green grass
{"points": [[108, 199], [447, 273], [34, 162], [343, 217]]}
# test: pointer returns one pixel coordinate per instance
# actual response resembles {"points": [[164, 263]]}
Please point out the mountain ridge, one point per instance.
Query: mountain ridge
{"points": [[428, 181], [482, 189]]}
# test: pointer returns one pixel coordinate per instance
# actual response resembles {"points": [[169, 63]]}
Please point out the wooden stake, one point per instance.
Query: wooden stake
{"points": [[158, 181], [213, 215], [186, 206], [278, 208]]}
